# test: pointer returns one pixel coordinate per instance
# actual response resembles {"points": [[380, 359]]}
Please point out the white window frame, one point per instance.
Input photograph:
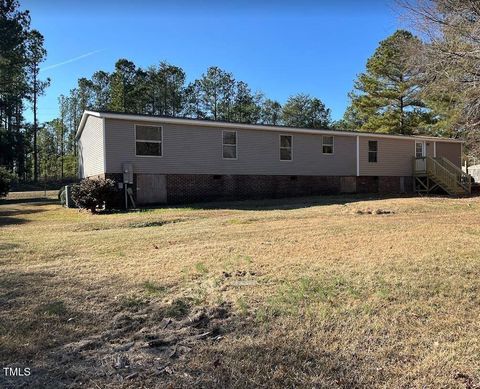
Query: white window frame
{"points": [[149, 141], [424, 148], [368, 150], [226, 144], [333, 144], [280, 148]]}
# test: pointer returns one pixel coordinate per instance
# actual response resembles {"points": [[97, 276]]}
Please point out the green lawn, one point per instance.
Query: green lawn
{"points": [[328, 292]]}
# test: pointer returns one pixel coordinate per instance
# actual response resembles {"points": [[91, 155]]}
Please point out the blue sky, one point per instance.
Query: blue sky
{"points": [[277, 47]]}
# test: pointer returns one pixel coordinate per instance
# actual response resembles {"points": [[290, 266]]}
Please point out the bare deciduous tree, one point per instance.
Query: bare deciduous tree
{"points": [[449, 60]]}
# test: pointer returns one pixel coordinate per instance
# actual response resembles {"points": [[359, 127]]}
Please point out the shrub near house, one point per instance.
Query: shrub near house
{"points": [[94, 194]]}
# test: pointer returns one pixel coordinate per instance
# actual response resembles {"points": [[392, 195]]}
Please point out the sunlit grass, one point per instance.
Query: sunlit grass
{"points": [[328, 296]]}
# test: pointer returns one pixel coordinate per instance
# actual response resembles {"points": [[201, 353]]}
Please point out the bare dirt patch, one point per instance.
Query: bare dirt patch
{"points": [[145, 345]]}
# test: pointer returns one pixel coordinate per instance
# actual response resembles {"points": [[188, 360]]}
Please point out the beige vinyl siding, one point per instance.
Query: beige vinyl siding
{"points": [[451, 151], [91, 159], [196, 149], [394, 157], [429, 145]]}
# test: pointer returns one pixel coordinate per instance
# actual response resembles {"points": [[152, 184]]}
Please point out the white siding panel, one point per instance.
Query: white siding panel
{"points": [[90, 148]]}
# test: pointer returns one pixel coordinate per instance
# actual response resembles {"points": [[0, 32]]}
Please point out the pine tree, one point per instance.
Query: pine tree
{"points": [[386, 96], [271, 112], [192, 101], [246, 107], [305, 111], [216, 88], [14, 89], [122, 86], [171, 79], [36, 54], [101, 90]]}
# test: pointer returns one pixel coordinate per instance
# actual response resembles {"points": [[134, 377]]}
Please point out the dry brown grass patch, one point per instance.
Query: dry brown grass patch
{"points": [[315, 293]]}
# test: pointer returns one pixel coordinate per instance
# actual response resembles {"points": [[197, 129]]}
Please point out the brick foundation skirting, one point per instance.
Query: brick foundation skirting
{"points": [[194, 188], [188, 188]]}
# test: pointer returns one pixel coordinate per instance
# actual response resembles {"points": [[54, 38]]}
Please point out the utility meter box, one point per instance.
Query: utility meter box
{"points": [[127, 168], [69, 203]]}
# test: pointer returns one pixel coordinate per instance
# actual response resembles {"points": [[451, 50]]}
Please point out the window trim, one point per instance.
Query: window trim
{"points": [[226, 144], [333, 144], [424, 148], [149, 141], [280, 148], [376, 151]]}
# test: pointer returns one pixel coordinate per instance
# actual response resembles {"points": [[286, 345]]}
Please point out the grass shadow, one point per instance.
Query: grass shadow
{"points": [[8, 246], [12, 216], [288, 203], [32, 201]]}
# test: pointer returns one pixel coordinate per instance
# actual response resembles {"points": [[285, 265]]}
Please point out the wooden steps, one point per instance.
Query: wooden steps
{"points": [[431, 173]]}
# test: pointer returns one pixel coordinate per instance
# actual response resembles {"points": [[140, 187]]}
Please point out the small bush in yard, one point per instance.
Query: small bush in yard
{"points": [[95, 194], [6, 178]]}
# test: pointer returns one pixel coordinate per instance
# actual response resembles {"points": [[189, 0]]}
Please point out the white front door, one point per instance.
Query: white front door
{"points": [[420, 154]]}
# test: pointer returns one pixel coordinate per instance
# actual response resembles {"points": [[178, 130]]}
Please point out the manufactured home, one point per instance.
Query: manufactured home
{"points": [[178, 160]]}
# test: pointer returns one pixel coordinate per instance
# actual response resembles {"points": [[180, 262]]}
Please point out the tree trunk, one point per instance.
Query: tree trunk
{"points": [[124, 92], [62, 148], [402, 129], [35, 129], [165, 87], [215, 107], [21, 156], [12, 140]]}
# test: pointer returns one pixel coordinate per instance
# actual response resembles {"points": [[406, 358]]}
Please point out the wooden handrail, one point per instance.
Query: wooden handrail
{"points": [[444, 173], [451, 164], [448, 175], [463, 179], [445, 177]]}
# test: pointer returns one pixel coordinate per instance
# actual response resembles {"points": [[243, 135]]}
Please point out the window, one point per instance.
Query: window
{"points": [[327, 144], [419, 150], [148, 141], [229, 144], [372, 150], [286, 142]]}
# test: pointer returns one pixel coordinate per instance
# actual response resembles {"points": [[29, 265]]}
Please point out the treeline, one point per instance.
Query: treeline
{"points": [[216, 95], [21, 52], [163, 90]]}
